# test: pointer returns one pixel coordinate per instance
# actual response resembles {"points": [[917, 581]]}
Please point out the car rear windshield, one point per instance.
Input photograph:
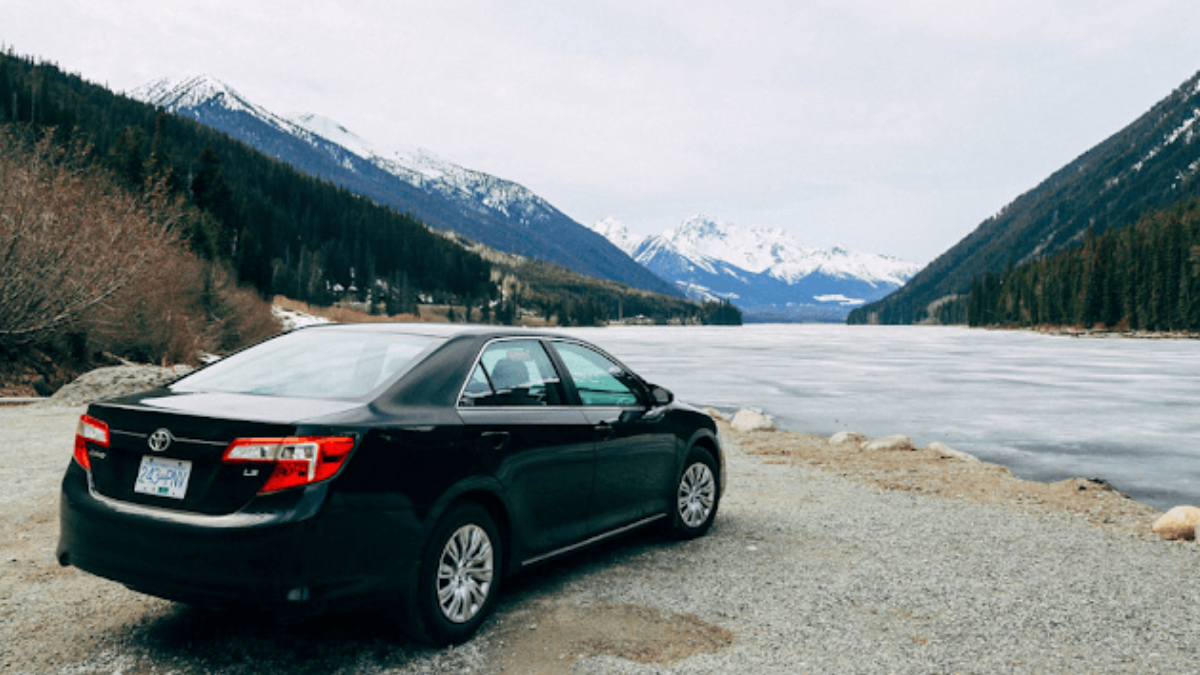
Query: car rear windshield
{"points": [[316, 363]]}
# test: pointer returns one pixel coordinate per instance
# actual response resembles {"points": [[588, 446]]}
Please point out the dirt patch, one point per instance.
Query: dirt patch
{"points": [[928, 472], [552, 635]]}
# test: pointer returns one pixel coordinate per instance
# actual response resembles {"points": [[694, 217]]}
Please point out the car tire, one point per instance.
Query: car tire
{"points": [[459, 576], [697, 495]]}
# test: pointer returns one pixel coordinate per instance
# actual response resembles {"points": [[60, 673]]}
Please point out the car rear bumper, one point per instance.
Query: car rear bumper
{"points": [[308, 557]]}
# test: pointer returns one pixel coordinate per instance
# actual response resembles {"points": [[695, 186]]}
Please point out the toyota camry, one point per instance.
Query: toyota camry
{"points": [[409, 467]]}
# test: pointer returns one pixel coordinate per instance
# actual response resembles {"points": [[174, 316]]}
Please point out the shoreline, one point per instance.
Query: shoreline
{"points": [[942, 472], [1096, 333]]}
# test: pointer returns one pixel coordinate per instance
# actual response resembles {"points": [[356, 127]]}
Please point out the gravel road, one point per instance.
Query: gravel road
{"points": [[805, 571]]}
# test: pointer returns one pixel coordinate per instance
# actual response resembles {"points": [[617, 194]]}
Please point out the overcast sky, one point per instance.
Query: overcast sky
{"points": [[887, 126]]}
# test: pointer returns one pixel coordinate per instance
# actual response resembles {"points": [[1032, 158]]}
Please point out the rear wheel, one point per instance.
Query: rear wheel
{"points": [[696, 496], [459, 576]]}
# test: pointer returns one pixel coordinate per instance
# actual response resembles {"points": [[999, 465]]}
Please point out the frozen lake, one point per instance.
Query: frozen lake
{"points": [[1127, 411]]}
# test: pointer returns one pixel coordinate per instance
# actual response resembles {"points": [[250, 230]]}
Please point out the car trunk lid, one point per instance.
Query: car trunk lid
{"points": [[165, 449]]}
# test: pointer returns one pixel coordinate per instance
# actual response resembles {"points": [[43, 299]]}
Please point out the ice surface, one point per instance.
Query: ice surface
{"points": [[1047, 407]]}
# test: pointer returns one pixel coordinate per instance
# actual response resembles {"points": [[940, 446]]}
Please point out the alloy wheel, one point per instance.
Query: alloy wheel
{"points": [[465, 571], [697, 495]]}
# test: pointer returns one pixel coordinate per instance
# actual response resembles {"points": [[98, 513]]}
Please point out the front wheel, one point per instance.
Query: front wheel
{"points": [[459, 576], [696, 496]]}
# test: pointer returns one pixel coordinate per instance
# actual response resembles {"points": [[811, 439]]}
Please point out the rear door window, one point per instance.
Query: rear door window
{"points": [[513, 373]]}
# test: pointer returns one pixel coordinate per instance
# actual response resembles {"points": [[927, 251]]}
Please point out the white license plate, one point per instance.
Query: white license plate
{"points": [[163, 477]]}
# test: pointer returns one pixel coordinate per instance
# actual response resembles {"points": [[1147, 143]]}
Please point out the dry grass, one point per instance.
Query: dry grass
{"points": [[341, 313]]}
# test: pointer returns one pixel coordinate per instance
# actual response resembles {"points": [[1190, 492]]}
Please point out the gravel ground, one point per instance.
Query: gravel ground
{"points": [[805, 571]]}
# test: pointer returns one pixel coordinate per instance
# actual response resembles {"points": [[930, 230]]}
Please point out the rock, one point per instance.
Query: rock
{"points": [[894, 443], [845, 437], [1178, 523], [115, 381], [751, 420], [715, 414], [946, 452]]}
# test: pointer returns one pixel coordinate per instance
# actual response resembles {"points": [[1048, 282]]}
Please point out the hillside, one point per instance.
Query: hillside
{"points": [[493, 211], [1149, 165], [281, 231], [1143, 277]]}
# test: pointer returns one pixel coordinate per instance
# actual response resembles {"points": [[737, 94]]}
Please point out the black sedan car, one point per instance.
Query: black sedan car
{"points": [[405, 466]]}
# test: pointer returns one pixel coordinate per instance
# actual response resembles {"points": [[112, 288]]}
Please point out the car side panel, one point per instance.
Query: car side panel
{"points": [[545, 461], [637, 457]]}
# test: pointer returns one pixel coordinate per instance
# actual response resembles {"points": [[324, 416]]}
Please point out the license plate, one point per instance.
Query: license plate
{"points": [[163, 477]]}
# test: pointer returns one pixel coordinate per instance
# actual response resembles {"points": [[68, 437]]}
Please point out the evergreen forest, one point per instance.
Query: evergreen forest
{"points": [[1145, 277]]}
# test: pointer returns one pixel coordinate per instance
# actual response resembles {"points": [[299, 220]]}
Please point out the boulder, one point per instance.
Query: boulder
{"points": [[1178, 523], [752, 420], [897, 442], [114, 381], [847, 438], [946, 452]]}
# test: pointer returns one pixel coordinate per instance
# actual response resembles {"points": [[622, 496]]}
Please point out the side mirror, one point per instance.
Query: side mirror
{"points": [[661, 396]]}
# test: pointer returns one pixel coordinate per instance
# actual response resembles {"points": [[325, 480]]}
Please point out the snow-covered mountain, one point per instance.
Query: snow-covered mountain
{"points": [[764, 271], [446, 196]]}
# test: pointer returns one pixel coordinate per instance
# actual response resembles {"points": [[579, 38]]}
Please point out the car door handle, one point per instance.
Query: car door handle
{"points": [[494, 440], [606, 430]]}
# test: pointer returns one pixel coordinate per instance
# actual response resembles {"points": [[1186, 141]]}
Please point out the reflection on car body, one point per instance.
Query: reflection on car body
{"points": [[412, 466]]}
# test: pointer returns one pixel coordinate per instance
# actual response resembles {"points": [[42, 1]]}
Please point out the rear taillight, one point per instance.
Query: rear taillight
{"points": [[89, 430], [294, 462]]}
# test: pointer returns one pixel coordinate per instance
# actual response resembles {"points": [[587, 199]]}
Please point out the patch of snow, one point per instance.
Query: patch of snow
{"points": [[839, 299], [292, 320], [615, 232]]}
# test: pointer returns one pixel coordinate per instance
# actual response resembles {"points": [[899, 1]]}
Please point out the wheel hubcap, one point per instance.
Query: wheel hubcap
{"points": [[465, 573], [697, 493]]}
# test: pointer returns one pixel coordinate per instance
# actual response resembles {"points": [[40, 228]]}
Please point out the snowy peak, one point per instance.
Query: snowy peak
{"points": [[332, 131], [615, 231], [768, 250], [755, 249], [193, 92], [762, 270]]}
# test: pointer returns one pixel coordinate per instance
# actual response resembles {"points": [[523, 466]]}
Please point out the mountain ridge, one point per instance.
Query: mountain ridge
{"points": [[481, 207], [764, 271], [1148, 165]]}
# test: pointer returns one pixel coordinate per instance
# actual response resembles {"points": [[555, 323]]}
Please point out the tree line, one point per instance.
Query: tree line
{"points": [[1142, 277], [567, 298]]}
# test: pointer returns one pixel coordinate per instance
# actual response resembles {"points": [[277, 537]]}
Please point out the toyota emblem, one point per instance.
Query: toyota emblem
{"points": [[160, 440]]}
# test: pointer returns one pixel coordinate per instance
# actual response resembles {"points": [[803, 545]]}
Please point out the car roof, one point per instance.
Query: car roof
{"points": [[440, 330]]}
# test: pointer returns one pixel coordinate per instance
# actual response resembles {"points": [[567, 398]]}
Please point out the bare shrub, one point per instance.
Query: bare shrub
{"points": [[70, 237], [156, 317], [178, 307], [237, 315]]}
